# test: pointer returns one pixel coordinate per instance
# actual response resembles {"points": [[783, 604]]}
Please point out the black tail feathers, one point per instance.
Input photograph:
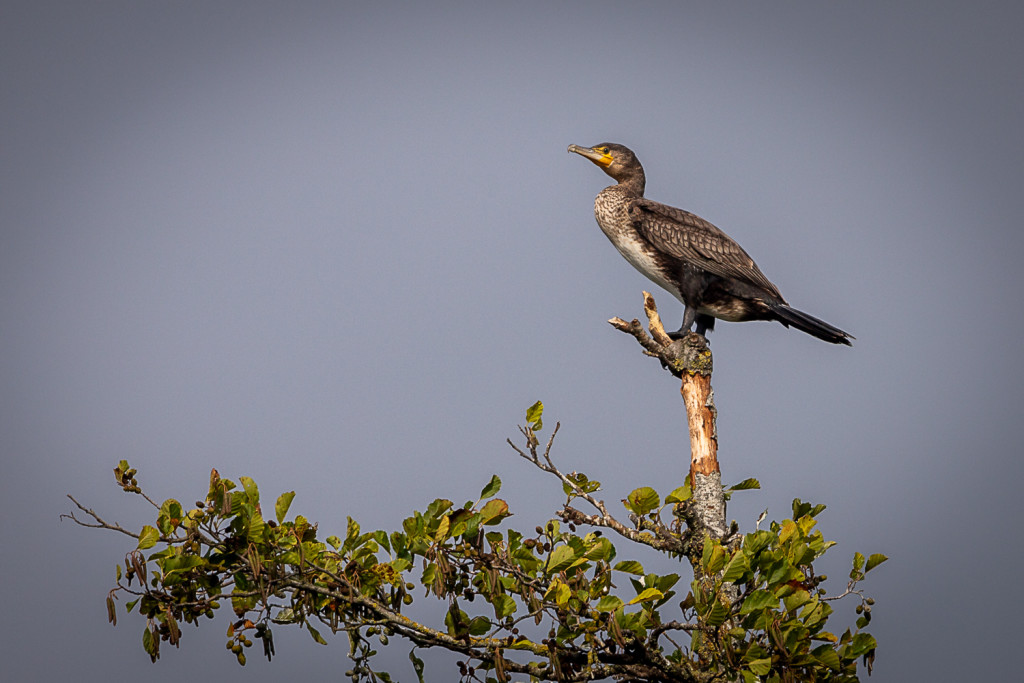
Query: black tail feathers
{"points": [[811, 325]]}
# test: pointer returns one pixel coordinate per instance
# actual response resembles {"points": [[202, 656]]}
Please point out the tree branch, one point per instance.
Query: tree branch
{"points": [[101, 523], [690, 359]]}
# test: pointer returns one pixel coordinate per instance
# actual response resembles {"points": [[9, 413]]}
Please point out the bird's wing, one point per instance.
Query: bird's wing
{"points": [[697, 242]]}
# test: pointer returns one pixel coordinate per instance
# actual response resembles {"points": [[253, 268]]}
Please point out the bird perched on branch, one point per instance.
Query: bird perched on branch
{"points": [[687, 256]]}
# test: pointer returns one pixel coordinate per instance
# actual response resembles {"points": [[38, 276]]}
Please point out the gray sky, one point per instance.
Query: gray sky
{"points": [[341, 247]]}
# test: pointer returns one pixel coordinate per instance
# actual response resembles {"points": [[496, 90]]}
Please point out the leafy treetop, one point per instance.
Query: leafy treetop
{"points": [[558, 603]]}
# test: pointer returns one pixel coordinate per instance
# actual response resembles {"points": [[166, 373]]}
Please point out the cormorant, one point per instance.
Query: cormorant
{"points": [[687, 256]]}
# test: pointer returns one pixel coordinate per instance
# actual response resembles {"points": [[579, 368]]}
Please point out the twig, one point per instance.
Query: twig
{"points": [[102, 524], [570, 514], [671, 626], [849, 591], [657, 329], [634, 328]]}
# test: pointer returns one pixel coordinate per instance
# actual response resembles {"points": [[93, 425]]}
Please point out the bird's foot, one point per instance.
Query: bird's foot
{"points": [[681, 333]]}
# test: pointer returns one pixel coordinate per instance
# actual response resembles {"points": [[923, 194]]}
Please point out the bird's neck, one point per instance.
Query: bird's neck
{"points": [[634, 184]]}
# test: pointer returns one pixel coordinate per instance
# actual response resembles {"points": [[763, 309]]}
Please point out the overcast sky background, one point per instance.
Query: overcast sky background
{"points": [[340, 248]]}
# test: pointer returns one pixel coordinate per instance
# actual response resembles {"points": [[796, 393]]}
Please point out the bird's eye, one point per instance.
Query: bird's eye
{"points": [[603, 150]]}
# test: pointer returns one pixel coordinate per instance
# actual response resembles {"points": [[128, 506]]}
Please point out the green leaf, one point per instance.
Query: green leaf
{"points": [[630, 567], [492, 487], [316, 634], [148, 644], [442, 529], [783, 572], [797, 600], [437, 508], [429, 574], [600, 549], [585, 484], [717, 615], [559, 592], [561, 558], [801, 554], [801, 508], [827, 656], [181, 563], [648, 595], [754, 651], [789, 528], [717, 560], [382, 538], [284, 501], [472, 527], [504, 606], [148, 537], [746, 484], [706, 552], [760, 667], [754, 543], [479, 626], [460, 519], [665, 582], [642, 500], [875, 560], [814, 615], [251, 491], [806, 523], [494, 511], [533, 416], [758, 599], [737, 567], [170, 516], [608, 603], [417, 664], [256, 527], [862, 643], [858, 566], [351, 531], [681, 494]]}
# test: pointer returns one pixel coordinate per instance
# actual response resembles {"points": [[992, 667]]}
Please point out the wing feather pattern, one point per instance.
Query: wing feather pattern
{"points": [[697, 242]]}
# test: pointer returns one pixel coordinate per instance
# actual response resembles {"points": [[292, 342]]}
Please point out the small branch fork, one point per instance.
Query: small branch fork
{"points": [[679, 356], [100, 522]]}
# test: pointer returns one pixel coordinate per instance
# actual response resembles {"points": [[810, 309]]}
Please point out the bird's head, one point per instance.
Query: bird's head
{"points": [[616, 160]]}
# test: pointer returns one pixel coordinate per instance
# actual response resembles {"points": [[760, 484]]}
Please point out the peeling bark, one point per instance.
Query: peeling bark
{"points": [[690, 359]]}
